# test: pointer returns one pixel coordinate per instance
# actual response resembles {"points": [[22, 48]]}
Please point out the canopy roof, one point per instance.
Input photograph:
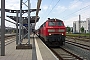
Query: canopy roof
{"points": [[25, 19], [23, 11]]}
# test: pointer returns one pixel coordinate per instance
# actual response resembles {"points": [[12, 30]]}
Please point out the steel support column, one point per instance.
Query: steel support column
{"points": [[22, 30], [20, 20], [17, 37], [28, 21], [2, 27]]}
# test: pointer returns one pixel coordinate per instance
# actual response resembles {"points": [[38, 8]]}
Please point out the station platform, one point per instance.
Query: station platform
{"points": [[39, 51]]}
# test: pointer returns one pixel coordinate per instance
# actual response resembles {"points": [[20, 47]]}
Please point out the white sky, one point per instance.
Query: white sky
{"points": [[66, 10]]}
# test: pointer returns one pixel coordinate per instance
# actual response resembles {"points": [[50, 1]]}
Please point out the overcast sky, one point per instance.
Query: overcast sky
{"points": [[66, 10]]}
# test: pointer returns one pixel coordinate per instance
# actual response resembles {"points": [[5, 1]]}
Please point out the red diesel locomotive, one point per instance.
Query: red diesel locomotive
{"points": [[53, 31]]}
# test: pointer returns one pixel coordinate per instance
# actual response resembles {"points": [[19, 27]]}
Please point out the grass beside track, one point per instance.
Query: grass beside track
{"points": [[77, 35]]}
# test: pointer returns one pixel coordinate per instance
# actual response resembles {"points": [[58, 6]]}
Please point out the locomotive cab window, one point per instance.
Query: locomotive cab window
{"points": [[59, 24], [51, 23]]}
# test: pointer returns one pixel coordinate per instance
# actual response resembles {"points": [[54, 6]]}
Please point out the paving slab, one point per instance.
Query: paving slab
{"points": [[40, 50], [45, 52], [11, 53]]}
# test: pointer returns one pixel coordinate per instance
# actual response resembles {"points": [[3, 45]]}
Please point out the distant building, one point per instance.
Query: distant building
{"points": [[0, 30], [84, 24], [88, 25]]}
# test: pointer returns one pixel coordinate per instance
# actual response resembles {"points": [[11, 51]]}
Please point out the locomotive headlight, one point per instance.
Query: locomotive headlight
{"points": [[61, 30], [49, 34], [62, 34], [51, 30]]}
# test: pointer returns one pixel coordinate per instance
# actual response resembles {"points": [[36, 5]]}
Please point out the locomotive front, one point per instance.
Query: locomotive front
{"points": [[55, 32]]}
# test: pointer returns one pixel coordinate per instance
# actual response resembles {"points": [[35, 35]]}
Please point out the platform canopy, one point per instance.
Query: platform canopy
{"points": [[23, 11], [25, 19]]}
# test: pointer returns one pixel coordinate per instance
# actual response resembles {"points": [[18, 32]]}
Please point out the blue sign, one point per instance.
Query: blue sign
{"points": [[25, 25]]}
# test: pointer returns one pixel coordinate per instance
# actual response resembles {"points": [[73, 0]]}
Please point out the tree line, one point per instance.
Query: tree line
{"points": [[69, 30]]}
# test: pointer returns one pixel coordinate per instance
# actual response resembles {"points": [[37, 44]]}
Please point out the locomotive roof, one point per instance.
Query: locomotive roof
{"points": [[54, 20]]}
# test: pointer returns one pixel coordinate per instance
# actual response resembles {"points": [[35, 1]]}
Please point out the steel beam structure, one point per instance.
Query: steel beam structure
{"points": [[9, 21], [25, 19], [21, 11], [15, 11], [37, 11], [2, 27], [29, 22], [21, 21], [17, 37]]}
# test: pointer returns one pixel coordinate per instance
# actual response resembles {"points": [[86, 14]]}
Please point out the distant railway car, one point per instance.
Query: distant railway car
{"points": [[53, 31]]}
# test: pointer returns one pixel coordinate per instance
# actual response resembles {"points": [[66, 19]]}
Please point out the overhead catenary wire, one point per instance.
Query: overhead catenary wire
{"points": [[76, 11], [70, 13], [47, 8], [66, 9], [53, 7]]}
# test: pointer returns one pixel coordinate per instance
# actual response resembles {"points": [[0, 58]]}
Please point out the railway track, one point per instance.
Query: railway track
{"points": [[64, 54], [80, 47], [83, 46], [71, 52], [80, 39], [9, 39]]}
